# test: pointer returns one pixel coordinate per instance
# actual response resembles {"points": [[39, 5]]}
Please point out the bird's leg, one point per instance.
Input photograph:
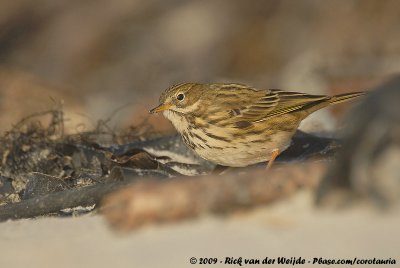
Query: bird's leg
{"points": [[274, 155]]}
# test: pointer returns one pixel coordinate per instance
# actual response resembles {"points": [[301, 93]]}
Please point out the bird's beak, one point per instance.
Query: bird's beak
{"points": [[160, 108]]}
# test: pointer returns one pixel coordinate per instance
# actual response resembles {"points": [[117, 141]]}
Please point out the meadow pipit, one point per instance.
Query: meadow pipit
{"points": [[236, 125]]}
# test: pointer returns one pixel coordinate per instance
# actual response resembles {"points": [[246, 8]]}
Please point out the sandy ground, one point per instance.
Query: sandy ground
{"points": [[290, 228]]}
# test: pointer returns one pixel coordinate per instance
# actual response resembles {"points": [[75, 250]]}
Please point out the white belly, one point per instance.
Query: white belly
{"points": [[236, 153]]}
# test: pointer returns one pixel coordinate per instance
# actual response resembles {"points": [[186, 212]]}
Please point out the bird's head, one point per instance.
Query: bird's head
{"points": [[180, 99]]}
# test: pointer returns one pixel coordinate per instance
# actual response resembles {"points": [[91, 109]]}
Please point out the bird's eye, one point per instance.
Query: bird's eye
{"points": [[180, 96]]}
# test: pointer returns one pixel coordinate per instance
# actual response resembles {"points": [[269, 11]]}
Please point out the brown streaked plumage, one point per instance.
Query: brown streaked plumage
{"points": [[237, 125]]}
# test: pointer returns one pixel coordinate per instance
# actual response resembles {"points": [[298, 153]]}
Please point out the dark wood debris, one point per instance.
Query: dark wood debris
{"points": [[44, 171]]}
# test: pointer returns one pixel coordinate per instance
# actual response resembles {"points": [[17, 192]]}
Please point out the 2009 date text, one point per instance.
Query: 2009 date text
{"points": [[290, 261]]}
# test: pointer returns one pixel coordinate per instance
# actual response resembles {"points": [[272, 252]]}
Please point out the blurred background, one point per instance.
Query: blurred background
{"points": [[97, 56]]}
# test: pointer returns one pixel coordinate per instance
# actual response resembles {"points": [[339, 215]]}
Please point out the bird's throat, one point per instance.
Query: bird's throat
{"points": [[179, 121]]}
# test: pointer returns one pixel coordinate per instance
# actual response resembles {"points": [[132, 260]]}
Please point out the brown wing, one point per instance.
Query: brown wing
{"points": [[282, 102], [230, 103], [241, 105]]}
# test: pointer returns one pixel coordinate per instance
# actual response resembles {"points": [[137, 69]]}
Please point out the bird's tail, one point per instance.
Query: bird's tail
{"points": [[345, 97]]}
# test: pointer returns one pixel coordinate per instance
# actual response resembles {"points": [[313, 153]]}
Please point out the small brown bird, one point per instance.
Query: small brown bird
{"points": [[236, 125]]}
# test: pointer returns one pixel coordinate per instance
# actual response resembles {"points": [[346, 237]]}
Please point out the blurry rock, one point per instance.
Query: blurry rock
{"points": [[22, 94], [369, 164]]}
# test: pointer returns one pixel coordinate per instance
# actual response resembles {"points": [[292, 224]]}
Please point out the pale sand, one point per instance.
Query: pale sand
{"points": [[288, 228]]}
